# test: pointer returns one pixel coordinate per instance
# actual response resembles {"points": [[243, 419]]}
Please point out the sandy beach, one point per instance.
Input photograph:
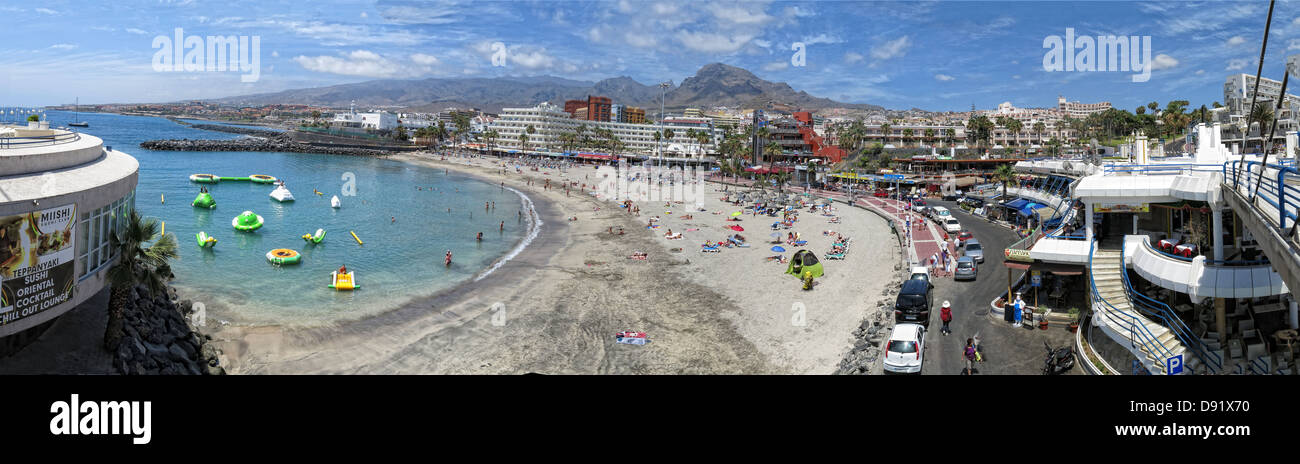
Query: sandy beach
{"points": [[555, 307]]}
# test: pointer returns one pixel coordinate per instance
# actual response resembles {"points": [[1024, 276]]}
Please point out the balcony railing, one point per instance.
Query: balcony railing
{"points": [[39, 140]]}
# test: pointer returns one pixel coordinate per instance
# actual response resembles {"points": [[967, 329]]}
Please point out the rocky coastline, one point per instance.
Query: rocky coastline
{"points": [[278, 143], [158, 338]]}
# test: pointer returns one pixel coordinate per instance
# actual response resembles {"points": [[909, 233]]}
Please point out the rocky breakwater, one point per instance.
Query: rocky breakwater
{"points": [[863, 358], [278, 143], [157, 338]]}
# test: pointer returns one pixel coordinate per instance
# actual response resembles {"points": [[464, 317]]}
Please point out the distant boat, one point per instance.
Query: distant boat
{"points": [[76, 120]]}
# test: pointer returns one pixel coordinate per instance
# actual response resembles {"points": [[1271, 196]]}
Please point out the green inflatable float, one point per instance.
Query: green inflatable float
{"points": [[204, 200], [205, 240], [803, 261], [315, 238], [247, 221]]}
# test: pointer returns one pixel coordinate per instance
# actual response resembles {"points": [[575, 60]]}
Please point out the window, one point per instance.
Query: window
{"points": [[95, 230]]}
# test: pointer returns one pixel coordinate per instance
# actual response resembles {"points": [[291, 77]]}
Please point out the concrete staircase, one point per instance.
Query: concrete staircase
{"points": [[1125, 323]]}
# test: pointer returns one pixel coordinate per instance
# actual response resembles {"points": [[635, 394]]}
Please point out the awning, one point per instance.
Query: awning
{"points": [[1017, 203], [1054, 268], [1028, 209]]}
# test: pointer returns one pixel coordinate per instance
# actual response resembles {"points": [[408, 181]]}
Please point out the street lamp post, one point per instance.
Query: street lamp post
{"points": [[663, 96]]}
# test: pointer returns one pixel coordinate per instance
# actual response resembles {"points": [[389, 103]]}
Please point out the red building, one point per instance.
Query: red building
{"points": [[598, 108], [818, 145]]}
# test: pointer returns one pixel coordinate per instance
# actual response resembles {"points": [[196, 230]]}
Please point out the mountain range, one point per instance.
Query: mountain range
{"points": [[714, 84]]}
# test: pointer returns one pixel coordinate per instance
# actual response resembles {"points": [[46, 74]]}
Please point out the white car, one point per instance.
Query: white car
{"points": [[905, 350], [952, 226]]}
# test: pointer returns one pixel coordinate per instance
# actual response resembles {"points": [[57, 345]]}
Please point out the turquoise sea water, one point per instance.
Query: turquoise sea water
{"points": [[400, 259]]}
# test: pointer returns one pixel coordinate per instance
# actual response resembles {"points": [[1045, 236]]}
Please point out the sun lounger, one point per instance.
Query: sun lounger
{"points": [[712, 249], [800, 243], [834, 255]]}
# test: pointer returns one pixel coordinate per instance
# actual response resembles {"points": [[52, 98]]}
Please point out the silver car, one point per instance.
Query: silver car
{"points": [[966, 269], [974, 250]]}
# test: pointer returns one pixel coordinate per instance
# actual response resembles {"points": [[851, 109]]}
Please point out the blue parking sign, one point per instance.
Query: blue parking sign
{"points": [[1174, 365]]}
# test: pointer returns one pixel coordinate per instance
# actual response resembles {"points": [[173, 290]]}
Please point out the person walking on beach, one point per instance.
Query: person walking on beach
{"points": [[969, 355], [945, 315]]}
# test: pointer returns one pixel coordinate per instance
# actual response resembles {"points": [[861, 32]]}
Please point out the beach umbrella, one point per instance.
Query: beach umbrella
{"points": [[738, 228], [778, 249]]}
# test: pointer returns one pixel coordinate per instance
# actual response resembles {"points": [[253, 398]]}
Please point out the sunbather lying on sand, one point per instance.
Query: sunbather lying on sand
{"points": [[638, 255]]}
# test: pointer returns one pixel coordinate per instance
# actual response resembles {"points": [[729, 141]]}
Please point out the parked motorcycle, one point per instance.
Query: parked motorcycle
{"points": [[1059, 361]]}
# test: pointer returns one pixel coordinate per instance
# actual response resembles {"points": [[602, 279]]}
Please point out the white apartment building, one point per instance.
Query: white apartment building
{"points": [[379, 120], [1079, 110], [1237, 93], [550, 121]]}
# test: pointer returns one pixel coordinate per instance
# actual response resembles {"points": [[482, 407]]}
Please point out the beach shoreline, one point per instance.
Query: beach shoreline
{"points": [[555, 306]]}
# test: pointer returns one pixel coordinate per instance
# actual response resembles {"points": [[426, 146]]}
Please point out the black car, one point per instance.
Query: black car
{"points": [[914, 302]]}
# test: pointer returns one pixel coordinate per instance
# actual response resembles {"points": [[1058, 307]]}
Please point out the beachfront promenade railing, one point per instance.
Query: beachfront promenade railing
{"points": [[1111, 169], [1274, 184], [39, 140]]}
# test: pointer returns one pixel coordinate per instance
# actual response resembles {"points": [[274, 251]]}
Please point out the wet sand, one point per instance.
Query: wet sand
{"points": [[556, 306]]}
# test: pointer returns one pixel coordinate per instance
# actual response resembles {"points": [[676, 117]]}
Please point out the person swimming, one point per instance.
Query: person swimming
{"points": [[343, 269], [480, 236], [447, 261]]}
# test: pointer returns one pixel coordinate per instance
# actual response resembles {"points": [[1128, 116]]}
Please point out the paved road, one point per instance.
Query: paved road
{"points": [[1006, 349]]}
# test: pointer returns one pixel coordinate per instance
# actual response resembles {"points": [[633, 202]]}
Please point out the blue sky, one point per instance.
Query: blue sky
{"points": [[929, 55]]}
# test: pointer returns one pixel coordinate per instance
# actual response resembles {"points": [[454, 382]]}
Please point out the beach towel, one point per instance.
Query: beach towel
{"points": [[632, 340]]}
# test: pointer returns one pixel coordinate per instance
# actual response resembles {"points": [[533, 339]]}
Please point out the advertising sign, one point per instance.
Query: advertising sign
{"points": [[37, 259], [1118, 208]]}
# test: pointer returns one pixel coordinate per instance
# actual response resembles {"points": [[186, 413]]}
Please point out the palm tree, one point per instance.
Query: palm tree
{"points": [[1014, 125], [462, 127], [884, 132], [907, 136], [138, 263], [523, 141], [491, 137], [929, 136], [1005, 174], [1039, 127], [1262, 114], [529, 130]]}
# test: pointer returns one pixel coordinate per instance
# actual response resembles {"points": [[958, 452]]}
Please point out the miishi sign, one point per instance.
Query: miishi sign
{"points": [[37, 255]]}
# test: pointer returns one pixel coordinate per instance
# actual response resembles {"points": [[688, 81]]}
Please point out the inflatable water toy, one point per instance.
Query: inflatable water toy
{"points": [[205, 240], [163, 198], [281, 193], [343, 281], [262, 178], [164, 228], [354, 235], [315, 238], [247, 221], [204, 178], [317, 192], [283, 256], [204, 200], [334, 202]]}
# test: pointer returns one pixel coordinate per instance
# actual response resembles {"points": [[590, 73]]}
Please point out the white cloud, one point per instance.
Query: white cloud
{"points": [[46, 11], [1236, 40], [1237, 64], [63, 46], [1200, 72], [798, 12], [1163, 61], [943, 77], [363, 14], [427, 60], [1293, 44], [738, 14], [822, 39], [366, 63], [891, 49], [776, 66], [712, 42], [852, 58], [531, 59], [136, 31]]}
